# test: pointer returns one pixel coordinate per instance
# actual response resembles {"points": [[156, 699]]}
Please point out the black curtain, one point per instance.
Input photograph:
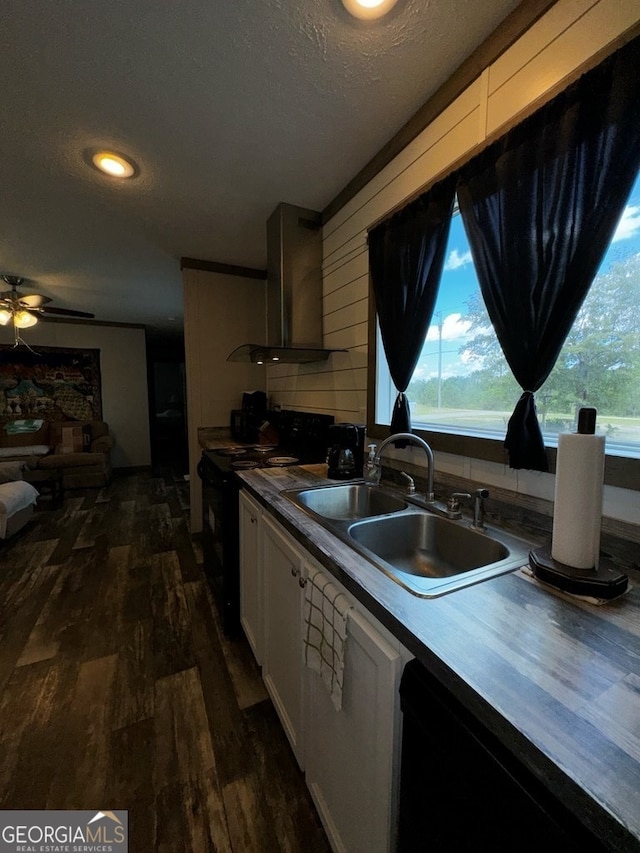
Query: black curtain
{"points": [[540, 207], [406, 256]]}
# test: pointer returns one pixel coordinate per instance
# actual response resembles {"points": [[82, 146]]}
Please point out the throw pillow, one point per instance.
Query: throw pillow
{"points": [[69, 438], [11, 471]]}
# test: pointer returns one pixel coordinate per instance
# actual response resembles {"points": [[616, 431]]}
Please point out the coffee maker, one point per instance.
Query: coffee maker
{"points": [[345, 455]]}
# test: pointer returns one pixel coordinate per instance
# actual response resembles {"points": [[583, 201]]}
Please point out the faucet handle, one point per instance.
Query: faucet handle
{"points": [[455, 498], [453, 503]]}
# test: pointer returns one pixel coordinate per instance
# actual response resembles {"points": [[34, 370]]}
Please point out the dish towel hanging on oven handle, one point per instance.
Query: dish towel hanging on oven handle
{"points": [[326, 610]]}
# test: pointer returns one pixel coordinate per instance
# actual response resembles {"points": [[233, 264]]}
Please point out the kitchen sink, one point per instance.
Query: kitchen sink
{"points": [[419, 548], [427, 546], [430, 555], [348, 501]]}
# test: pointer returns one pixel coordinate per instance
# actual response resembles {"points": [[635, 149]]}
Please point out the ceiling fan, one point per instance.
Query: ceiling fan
{"points": [[24, 310]]}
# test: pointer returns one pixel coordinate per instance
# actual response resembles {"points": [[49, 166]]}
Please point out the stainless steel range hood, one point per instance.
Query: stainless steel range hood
{"points": [[294, 291]]}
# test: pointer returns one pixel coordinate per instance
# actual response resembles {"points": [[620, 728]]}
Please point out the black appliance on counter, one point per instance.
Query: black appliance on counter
{"points": [[245, 423], [244, 426], [254, 402], [345, 456], [303, 439]]}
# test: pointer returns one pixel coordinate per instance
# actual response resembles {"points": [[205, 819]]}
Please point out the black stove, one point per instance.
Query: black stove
{"points": [[302, 440]]}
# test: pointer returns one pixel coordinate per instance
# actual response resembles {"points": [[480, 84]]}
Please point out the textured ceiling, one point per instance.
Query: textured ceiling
{"points": [[227, 106]]}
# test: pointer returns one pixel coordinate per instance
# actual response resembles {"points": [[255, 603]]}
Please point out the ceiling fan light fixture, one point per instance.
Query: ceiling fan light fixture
{"points": [[24, 319], [368, 10], [24, 310], [112, 164]]}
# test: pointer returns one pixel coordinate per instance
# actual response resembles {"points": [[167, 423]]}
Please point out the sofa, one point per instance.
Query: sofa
{"points": [[80, 453]]}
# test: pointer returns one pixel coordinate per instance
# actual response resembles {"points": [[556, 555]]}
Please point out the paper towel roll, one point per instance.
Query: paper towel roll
{"points": [[577, 513]]}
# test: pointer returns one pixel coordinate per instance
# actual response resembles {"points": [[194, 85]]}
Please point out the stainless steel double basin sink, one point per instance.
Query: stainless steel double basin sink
{"points": [[426, 553]]}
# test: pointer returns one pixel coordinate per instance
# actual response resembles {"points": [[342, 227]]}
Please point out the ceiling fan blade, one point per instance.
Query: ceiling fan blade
{"points": [[34, 300], [67, 312]]}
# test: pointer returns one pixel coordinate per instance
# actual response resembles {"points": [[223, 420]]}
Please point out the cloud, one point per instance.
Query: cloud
{"points": [[420, 372], [453, 328], [629, 225], [448, 371], [468, 358], [456, 260]]}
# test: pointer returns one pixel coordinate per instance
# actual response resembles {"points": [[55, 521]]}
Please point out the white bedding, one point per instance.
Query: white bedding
{"points": [[25, 450], [13, 498]]}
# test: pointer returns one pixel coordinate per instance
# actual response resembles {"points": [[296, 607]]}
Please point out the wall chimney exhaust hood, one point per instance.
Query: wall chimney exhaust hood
{"points": [[294, 291]]}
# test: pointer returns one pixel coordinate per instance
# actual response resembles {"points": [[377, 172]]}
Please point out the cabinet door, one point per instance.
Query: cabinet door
{"points": [[352, 754], [251, 574], [282, 658]]}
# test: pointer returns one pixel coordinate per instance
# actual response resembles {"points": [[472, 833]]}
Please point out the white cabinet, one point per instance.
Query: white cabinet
{"points": [[282, 665], [352, 755], [251, 605]]}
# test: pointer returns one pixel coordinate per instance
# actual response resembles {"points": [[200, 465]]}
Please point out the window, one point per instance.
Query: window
{"points": [[463, 385]]}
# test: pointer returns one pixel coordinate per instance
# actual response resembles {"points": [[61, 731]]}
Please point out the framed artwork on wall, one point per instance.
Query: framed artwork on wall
{"points": [[56, 384]]}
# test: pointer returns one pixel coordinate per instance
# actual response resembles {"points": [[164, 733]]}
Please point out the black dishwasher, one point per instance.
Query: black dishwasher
{"points": [[462, 791]]}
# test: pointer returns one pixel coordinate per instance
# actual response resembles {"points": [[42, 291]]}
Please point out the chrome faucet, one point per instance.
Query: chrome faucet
{"points": [[373, 470]]}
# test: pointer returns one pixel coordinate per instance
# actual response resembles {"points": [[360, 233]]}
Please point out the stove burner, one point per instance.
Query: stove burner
{"points": [[231, 451], [281, 461], [245, 464]]}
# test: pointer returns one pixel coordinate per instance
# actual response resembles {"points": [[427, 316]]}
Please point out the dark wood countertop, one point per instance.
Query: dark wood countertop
{"points": [[556, 680], [211, 438]]}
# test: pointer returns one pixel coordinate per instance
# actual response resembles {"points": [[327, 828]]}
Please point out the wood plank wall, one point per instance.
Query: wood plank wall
{"points": [[571, 37], [222, 310]]}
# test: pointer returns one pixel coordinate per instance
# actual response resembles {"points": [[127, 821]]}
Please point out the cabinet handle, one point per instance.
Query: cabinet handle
{"points": [[253, 520], [302, 582], [294, 572]]}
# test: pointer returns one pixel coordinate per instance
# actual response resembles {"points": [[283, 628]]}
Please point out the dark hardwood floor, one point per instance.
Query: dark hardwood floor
{"points": [[118, 691]]}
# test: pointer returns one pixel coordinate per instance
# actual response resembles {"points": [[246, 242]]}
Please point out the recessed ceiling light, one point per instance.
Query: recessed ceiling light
{"points": [[368, 9], [112, 164]]}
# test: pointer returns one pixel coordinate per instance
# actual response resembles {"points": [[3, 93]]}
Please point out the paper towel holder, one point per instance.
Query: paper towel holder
{"points": [[602, 582]]}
